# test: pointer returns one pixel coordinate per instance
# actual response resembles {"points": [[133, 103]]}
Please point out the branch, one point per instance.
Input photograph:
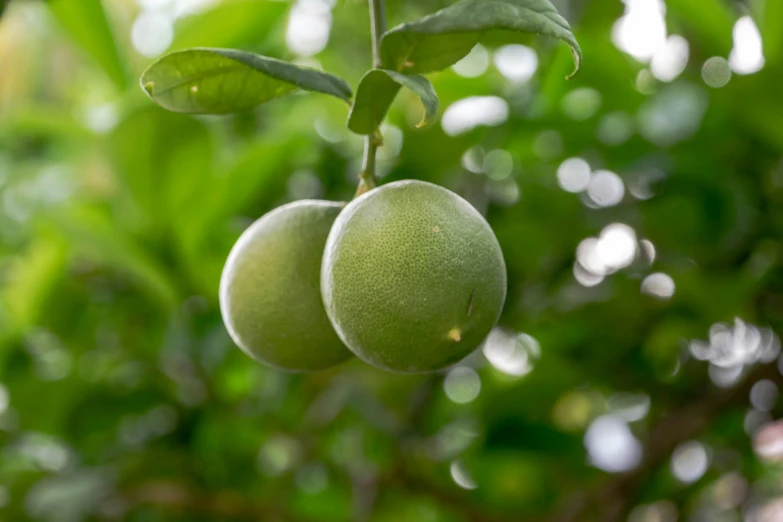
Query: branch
{"points": [[615, 499], [612, 500], [218, 506]]}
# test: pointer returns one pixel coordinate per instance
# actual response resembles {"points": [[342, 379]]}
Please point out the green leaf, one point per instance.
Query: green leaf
{"points": [[443, 38], [377, 91], [245, 185], [160, 177], [230, 24], [710, 22], [86, 23], [225, 81], [768, 15], [95, 236], [31, 277]]}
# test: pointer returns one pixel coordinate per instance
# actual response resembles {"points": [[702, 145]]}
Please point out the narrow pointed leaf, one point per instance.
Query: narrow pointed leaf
{"points": [[86, 23], [225, 81], [443, 38], [377, 91]]}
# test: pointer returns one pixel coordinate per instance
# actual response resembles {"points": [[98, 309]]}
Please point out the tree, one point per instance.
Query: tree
{"points": [[123, 397]]}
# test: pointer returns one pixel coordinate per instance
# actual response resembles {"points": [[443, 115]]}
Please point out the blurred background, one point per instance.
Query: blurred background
{"points": [[634, 375]]}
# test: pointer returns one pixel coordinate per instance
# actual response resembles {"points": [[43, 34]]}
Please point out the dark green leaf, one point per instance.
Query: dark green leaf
{"points": [[86, 23], [443, 38], [95, 236], [225, 81], [376, 93]]}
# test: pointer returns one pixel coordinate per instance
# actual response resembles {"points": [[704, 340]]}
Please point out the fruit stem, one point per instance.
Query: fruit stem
{"points": [[367, 178], [378, 21]]}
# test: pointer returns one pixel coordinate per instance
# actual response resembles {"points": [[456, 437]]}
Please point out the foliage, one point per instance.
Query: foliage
{"points": [[126, 399]]}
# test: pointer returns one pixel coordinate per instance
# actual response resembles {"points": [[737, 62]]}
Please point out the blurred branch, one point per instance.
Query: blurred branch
{"points": [[612, 501], [452, 497], [609, 502], [404, 476], [365, 491], [219, 506]]}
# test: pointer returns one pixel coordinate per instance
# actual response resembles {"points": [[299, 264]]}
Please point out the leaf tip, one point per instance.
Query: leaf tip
{"points": [[148, 87], [425, 122], [577, 62]]}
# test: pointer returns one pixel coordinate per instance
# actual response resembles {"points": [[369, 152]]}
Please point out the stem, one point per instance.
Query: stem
{"points": [[378, 27], [367, 178]]}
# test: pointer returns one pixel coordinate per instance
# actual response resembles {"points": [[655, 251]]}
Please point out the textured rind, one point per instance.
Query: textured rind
{"points": [[270, 289], [413, 277]]}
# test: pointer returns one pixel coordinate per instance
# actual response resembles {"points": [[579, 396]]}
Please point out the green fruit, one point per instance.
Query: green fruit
{"points": [[413, 277], [270, 293]]}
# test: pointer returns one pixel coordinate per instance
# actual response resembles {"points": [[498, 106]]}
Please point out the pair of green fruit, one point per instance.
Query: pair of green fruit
{"points": [[409, 277]]}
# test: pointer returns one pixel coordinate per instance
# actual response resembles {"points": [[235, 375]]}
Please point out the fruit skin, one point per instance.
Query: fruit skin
{"points": [[270, 294], [413, 277]]}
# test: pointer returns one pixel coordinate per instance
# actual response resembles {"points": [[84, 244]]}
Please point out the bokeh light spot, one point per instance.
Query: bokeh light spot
{"points": [[309, 25], [670, 60], [768, 441], [630, 406], [498, 164], [689, 462], [661, 511], [615, 128], [474, 64], [152, 33], [582, 103], [658, 285], [518, 63], [573, 175], [511, 353], [746, 56], [460, 476], [764, 395], [673, 115], [5, 398], [606, 189], [616, 246], [462, 385], [278, 455], [304, 184], [716, 72], [465, 115], [611, 445], [641, 31]]}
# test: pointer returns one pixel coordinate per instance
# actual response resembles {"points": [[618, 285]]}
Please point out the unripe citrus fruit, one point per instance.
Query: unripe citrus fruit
{"points": [[413, 277], [270, 293]]}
